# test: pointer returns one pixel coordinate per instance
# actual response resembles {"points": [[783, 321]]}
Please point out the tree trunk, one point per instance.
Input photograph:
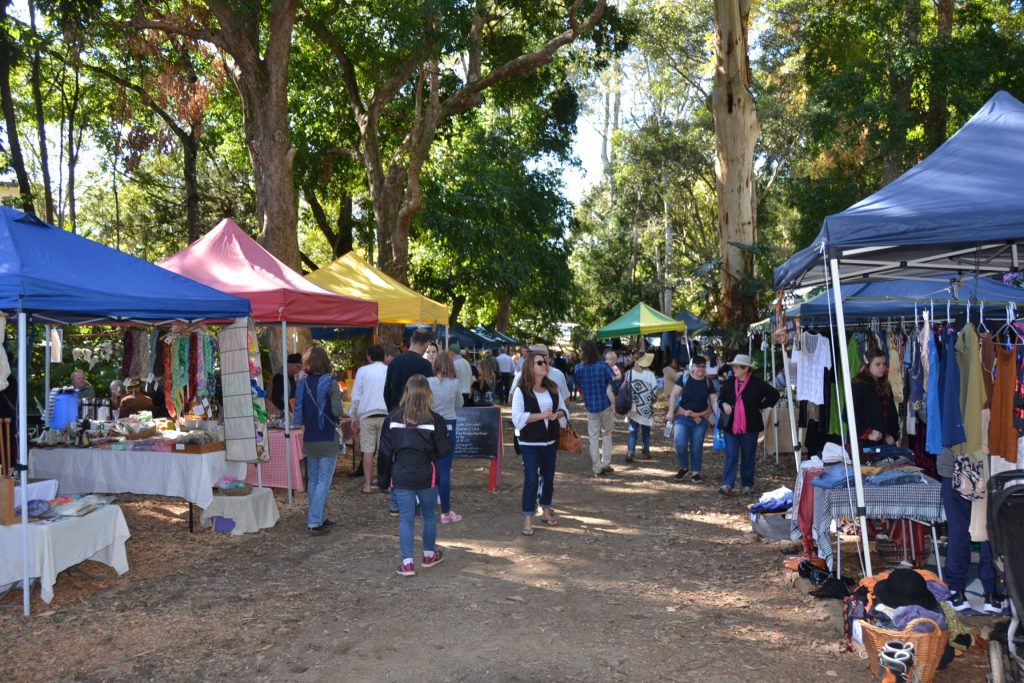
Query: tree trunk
{"points": [[666, 291], [504, 313], [190, 152], [457, 303], [938, 117], [37, 96], [344, 241], [895, 158], [736, 132], [73, 150], [10, 119]]}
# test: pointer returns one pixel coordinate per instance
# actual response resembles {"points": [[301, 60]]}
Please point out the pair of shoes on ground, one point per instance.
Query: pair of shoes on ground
{"points": [[727, 490], [629, 459], [431, 560], [605, 471], [681, 476], [450, 517]]}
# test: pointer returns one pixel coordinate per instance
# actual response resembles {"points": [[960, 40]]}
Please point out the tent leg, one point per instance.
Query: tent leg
{"points": [[287, 408], [46, 364], [851, 420], [26, 586], [775, 408]]}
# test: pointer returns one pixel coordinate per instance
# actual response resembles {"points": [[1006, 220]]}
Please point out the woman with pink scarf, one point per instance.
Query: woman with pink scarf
{"points": [[741, 401]]}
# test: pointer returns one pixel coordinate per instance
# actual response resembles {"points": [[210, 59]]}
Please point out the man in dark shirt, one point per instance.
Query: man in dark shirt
{"points": [[277, 383], [406, 365]]}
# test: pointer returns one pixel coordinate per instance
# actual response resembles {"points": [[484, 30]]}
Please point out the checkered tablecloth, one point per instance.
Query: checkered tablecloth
{"points": [[275, 474], [921, 502]]}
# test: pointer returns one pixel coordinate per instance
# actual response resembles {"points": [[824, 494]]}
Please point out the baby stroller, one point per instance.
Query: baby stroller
{"points": [[1006, 532]]}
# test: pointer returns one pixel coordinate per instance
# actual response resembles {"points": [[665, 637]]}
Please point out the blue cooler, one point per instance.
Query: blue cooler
{"points": [[65, 411]]}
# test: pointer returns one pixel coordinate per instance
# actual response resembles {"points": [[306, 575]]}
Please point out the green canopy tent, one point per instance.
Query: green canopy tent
{"points": [[641, 319]]}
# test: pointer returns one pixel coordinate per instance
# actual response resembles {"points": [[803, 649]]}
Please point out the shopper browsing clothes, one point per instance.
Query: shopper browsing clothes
{"points": [[413, 439], [318, 409], [742, 399], [538, 410], [874, 408]]}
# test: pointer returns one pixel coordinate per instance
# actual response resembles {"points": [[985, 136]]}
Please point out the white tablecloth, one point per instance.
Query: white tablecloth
{"points": [[55, 546], [37, 490], [95, 470], [250, 513]]}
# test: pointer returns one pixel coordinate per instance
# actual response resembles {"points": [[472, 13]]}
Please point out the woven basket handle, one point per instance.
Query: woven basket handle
{"points": [[922, 621]]}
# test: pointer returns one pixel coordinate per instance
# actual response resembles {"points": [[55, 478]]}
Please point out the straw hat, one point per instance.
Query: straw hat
{"points": [[645, 360]]}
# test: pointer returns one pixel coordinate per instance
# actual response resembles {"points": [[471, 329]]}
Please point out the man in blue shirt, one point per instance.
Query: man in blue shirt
{"points": [[594, 377]]}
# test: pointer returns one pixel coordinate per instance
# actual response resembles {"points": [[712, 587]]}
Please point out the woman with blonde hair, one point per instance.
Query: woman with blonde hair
{"points": [[537, 413], [444, 386], [318, 409], [413, 438], [484, 387]]}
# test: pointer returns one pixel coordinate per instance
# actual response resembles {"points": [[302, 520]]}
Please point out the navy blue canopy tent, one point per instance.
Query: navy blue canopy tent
{"points": [[51, 275], [960, 209], [968, 296], [693, 323]]}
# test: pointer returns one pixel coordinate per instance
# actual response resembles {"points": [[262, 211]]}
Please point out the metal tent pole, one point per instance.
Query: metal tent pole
{"points": [[46, 364], [775, 408], [792, 412], [851, 420], [287, 407], [23, 455]]}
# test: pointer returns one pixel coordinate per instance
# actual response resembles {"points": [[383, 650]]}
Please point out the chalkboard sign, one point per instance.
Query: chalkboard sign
{"points": [[477, 432]]}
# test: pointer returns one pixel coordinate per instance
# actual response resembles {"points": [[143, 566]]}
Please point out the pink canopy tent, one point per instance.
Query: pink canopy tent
{"points": [[229, 260]]}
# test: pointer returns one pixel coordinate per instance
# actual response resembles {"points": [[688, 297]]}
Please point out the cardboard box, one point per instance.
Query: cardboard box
{"points": [[7, 516]]}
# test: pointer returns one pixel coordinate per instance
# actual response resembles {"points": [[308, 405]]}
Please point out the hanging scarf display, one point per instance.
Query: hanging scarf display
{"points": [[169, 379]]}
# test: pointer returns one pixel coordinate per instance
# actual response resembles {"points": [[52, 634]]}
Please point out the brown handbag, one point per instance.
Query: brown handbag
{"points": [[569, 440]]}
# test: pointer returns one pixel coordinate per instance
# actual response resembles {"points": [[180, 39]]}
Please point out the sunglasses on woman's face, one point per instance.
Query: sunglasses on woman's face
{"points": [[540, 362]]}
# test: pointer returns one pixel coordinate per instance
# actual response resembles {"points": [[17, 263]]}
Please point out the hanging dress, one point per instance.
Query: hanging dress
{"points": [[1002, 435], [933, 429]]}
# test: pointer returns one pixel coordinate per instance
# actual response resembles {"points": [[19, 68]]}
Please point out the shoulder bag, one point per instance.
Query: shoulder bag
{"points": [[569, 440], [624, 399]]}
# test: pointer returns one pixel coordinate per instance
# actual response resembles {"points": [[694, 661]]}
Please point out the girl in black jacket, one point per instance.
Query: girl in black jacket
{"points": [[413, 438], [874, 407]]}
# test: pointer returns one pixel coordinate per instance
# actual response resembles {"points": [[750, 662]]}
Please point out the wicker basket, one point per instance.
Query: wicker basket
{"points": [[244, 491], [928, 647]]}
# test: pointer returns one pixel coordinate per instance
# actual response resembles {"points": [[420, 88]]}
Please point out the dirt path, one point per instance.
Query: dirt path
{"points": [[645, 579]]}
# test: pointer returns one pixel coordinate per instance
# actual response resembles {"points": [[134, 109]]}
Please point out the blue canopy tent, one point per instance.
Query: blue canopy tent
{"points": [[895, 299], [959, 210], [53, 276]]}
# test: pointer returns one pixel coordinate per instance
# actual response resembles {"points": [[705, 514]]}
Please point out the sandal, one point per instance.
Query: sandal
{"points": [[528, 531], [550, 521]]}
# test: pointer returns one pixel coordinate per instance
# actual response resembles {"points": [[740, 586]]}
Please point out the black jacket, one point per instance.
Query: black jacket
{"points": [[757, 396], [871, 414], [401, 368], [407, 453]]}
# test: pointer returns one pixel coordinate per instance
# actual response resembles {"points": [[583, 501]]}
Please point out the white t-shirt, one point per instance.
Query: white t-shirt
{"points": [[814, 358]]}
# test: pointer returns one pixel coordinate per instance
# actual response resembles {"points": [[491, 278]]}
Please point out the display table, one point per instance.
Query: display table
{"points": [[919, 502], [45, 489], [250, 513], [275, 472], [95, 470], [56, 545]]}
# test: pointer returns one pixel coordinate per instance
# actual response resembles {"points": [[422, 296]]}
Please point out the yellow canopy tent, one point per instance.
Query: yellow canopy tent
{"points": [[353, 276]]}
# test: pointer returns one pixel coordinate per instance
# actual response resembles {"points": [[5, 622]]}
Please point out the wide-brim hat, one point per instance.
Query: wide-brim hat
{"points": [[645, 360], [742, 359], [905, 587]]}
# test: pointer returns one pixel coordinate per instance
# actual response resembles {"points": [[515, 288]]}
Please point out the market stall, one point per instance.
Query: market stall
{"points": [[230, 261], [956, 211], [53, 276], [352, 276], [640, 320]]}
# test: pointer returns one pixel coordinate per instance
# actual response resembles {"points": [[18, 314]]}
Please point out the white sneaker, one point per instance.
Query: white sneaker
{"points": [[449, 517]]}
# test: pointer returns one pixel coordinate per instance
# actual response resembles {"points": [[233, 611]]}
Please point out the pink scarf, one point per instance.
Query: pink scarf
{"points": [[739, 411]]}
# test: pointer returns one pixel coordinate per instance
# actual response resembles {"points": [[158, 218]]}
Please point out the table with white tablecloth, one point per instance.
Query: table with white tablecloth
{"points": [[44, 489], [96, 470], [62, 543], [254, 511]]}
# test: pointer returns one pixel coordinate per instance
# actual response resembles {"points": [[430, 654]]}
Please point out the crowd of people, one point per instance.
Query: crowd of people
{"points": [[405, 405]]}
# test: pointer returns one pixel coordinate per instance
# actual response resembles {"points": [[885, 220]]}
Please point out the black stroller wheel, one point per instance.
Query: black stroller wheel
{"points": [[996, 663]]}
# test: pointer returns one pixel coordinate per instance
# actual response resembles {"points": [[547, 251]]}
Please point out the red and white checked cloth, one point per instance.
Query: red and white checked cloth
{"points": [[275, 474]]}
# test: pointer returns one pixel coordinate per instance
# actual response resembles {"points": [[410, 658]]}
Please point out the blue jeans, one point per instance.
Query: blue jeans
{"points": [[645, 433], [407, 519], [958, 552], [320, 472], [690, 442], [741, 448], [538, 476], [444, 472]]}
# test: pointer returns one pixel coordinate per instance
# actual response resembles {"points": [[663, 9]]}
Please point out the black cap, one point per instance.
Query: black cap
{"points": [[295, 358]]}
